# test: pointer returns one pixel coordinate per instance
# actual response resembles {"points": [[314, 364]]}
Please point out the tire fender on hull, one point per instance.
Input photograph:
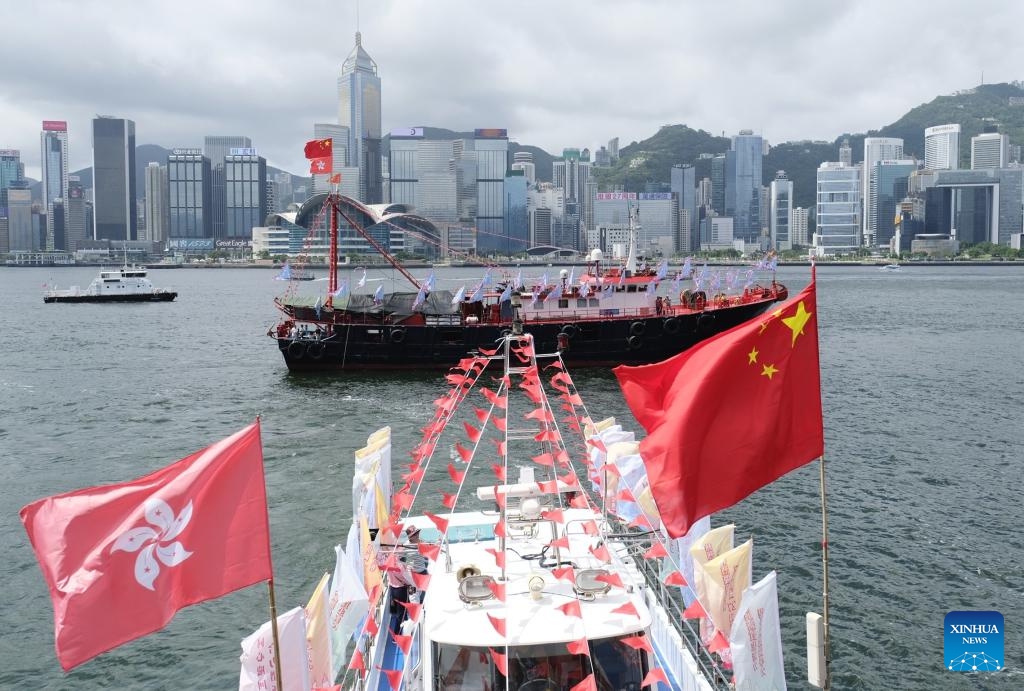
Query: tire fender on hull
{"points": [[670, 326], [296, 350]]}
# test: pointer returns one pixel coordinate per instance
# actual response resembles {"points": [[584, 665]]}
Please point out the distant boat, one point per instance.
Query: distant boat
{"points": [[290, 274], [127, 284], [890, 267]]}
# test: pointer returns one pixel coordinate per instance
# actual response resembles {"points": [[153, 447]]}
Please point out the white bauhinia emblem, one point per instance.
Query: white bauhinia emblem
{"points": [[156, 544]]}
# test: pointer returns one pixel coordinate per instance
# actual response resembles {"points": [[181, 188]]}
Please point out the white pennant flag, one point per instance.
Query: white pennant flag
{"points": [[258, 670], [347, 605], [756, 639]]}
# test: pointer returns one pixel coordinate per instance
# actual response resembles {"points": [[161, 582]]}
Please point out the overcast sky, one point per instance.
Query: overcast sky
{"points": [[554, 73]]}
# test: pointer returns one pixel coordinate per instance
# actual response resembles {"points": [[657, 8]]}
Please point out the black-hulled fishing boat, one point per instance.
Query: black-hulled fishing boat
{"points": [[610, 315]]}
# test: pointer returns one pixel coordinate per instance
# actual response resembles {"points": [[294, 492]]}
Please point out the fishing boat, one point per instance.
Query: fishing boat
{"points": [[546, 569], [610, 315], [126, 284]]}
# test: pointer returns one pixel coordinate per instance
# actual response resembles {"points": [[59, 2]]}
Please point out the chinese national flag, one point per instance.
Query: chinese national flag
{"points": [[121, 560], [731, 414], [321, 165], [318, 148]]}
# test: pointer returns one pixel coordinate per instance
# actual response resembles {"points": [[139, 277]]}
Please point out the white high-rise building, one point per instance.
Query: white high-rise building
{"points": [[875, 149], [157, 208], [838, 209], [942, 147], [54, 158], [990, 150], [799, 229], [781, 212], [846, 153]]}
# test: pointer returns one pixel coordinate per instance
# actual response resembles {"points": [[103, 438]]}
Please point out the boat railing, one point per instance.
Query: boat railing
{"points": [[671, 630]]}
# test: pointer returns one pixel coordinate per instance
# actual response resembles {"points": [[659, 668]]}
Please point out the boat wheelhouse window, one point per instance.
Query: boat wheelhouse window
{"points": [[631, 289], [581, 302], [615, 666], [563, 304]]}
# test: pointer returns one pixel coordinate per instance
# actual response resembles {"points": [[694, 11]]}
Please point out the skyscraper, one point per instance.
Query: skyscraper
{"points": [[359, 111], [572, 174], [76, 213], [157, 211], [10, 171], [54, 159], [190, 191], [989, 150], [684, 187], [875, 149], [216, 148], [113, 181], [781, 216], [748, 149], [888, 185], [942, 147], [245, 177], [491, 146], [846, 153]]}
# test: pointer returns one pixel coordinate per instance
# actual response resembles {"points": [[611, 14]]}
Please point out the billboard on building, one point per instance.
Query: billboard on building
{"points": [[490, 133], [190, 244], [233, 244], [242, 152], [615, 196], [407, 132], [655, 196], [55, 126]]}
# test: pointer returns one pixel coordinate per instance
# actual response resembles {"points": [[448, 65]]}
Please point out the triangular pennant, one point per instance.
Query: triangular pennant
{"points": [[544, 459], [555, 515], [472, 433], [612, 579], [717, 644], [498, 624], [403, 642], [499, 557], [500, 424], [438, 521], [694, 611], [499, 472], [465, 454], [564, 573], [422, 580], [455, 474], [675, 578], [448, 500], [571, 609], [601, 553], [481, 415], [562, 543], [500, 661], [494, 399], [413, 608], [498, 589], [588, 683], [627, 608], [394, 678], [656, 551], [579, 647], [429, 550], [639, 643], [655, 675], [356, 662]]}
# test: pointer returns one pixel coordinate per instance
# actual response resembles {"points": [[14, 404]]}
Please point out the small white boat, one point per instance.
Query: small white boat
{"points": [[127, 284], [890, 267]]}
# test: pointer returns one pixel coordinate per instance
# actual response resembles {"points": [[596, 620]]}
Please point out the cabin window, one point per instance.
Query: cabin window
{"points": [[581, 302], [563, 304], [594, 302], [630, 289], [615, 666]]}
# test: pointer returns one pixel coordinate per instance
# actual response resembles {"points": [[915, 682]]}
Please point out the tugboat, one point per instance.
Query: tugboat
{"points": [[611, 315], [127, 284]]}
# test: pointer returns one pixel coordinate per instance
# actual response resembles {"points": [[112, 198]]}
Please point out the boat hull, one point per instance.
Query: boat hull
{"points": [[145, 297], [591, 343]]}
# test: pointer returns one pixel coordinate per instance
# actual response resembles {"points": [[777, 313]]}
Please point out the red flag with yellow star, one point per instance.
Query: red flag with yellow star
{"points": [[731, 414], [318, 148]]}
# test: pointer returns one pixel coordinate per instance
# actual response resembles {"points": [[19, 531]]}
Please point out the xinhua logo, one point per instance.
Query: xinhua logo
{"points": [[974, 641]]}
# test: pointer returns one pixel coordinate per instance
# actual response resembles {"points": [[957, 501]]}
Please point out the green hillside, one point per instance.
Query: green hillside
{"points": [[651, 160]]}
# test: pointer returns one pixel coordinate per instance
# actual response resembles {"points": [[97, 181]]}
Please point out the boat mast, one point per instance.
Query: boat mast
{"points": [[332, 265]]}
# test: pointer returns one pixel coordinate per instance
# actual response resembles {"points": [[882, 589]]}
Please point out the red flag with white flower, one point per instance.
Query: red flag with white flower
{"points": [[121, 560]]}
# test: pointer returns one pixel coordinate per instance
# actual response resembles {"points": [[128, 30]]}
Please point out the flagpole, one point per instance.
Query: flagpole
{"points": [[824, 568], [273, 627]]}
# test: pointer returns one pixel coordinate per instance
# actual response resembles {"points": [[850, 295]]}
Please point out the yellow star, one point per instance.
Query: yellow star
{"points": [[768, 371], [768, 321], [797, 321], [753, 356]]}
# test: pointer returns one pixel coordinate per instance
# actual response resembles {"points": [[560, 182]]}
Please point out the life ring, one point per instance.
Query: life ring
{"points": [[634, 342], [637, 328], [570, 330], [296, 350], [397, 335], [315, 350], [671, 325]]}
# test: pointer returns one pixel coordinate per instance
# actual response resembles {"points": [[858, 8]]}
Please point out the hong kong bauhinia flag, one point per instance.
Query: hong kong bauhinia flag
{"points": [[121, 560], [731, 414], [324, 164]]}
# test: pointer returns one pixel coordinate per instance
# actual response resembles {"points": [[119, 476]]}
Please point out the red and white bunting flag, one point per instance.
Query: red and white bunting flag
{"points": [[472, 433], [627, 608], [588, 684], [571, 609], [403, 642], [498, 624], [122, 559], [639, 643], [579, 647], [455, 474], [465, 454], [439, 522]]}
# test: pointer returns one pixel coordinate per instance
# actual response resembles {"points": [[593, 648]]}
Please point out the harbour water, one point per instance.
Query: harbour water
{"points": [[923, 391]]}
